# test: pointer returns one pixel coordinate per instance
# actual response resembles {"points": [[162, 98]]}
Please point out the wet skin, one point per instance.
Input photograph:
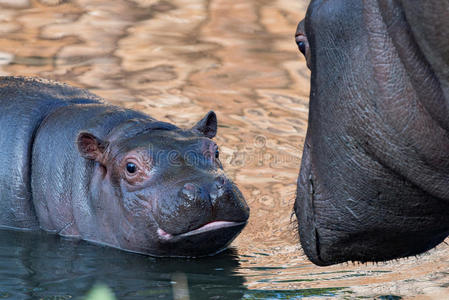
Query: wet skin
{"points": [[75, 166], [374, 179]]}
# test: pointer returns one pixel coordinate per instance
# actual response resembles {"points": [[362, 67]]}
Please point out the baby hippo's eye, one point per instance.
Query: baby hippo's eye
{"points": [[217, 153], [136, 167], [131, 168]]}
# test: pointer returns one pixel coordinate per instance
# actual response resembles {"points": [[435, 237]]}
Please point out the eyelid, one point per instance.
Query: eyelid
{"points": [[301, 38], [132, 160], [139, 160]]}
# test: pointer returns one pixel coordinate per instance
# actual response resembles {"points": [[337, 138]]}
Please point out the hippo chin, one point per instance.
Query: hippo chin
{"points": [[72, 165], [374, 180]]}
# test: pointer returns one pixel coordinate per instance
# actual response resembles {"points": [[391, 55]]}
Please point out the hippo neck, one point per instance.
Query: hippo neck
{"points": [[25, 103]]}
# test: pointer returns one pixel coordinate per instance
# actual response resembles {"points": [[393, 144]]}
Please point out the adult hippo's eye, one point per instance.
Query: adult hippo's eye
{"points": [[301, 38], [302, 47], [131, 168], [302, 43]]}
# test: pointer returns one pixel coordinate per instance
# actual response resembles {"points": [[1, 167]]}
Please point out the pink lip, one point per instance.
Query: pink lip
{"points": [[205, 228]]}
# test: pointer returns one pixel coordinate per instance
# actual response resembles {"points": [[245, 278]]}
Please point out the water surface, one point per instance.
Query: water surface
{"points": [[176, 60]]}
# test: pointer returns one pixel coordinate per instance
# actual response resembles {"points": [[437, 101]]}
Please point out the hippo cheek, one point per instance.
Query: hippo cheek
{"points": [[138, 235], [130, 222]]}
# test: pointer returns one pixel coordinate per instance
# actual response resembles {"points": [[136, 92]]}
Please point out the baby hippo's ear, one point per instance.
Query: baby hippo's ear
{"points": [[90, 146], [207, 126]]}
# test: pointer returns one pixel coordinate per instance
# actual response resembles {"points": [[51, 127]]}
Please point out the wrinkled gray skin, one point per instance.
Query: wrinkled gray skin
{"points": [[71, 165], [374, 180]]}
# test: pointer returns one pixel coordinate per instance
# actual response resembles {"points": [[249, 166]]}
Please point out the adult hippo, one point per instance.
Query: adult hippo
{"points": [[374, 180], [72, 165]]}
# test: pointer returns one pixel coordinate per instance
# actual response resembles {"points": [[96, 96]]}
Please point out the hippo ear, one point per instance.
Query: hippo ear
{"points": [[90, 146], [208, 125]]}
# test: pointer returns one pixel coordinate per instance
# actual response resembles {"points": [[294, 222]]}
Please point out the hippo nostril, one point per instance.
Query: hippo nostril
{"points": [[219, 189], [190, 191]]}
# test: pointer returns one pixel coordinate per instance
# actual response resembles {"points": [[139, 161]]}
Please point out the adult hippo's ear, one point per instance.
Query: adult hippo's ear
{"points": [[207, 126], [90, 146]]}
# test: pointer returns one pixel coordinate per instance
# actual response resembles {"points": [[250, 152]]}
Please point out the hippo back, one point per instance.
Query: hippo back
{"points": [[24, 104]]}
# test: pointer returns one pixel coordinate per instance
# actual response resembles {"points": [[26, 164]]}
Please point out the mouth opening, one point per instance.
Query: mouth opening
{"points": [[212, 226]]}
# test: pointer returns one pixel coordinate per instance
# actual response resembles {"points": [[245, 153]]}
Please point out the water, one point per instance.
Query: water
{"points": [[176, 60]]}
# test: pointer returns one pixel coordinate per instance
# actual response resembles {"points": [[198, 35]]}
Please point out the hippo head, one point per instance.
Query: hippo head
{"points": [[160, 190], [374, 179]]}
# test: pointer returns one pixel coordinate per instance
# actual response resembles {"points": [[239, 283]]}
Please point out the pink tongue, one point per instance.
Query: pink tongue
{"points": [[215, 225], [163, 234], [210, 226]]}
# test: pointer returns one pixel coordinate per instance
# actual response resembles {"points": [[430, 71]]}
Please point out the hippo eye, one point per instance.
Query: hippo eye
{"points": [[302, 47], [217, 153], [302, 43], [131, 168]]}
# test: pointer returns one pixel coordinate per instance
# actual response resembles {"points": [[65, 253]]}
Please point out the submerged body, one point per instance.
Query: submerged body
{"points": [[374, 179], [72, 165]]}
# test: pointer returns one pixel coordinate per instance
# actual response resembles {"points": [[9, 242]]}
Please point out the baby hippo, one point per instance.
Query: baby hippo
{"points": [[73, 165]]}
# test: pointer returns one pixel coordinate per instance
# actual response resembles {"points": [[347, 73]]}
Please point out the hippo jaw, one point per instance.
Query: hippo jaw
{"points": [[209, 239], [215, 225], [334, 230]]}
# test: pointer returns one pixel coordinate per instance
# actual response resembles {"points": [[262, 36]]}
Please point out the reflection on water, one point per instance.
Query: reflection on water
{"points": [[176, 60], [42, 266], [38, 266]]}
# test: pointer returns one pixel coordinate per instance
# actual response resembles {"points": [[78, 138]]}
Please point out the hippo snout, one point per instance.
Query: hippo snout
{"points": [[199, 202], [202, 217], [192, 192]]}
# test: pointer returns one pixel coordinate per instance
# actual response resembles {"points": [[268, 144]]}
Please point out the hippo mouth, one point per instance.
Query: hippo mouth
{"points": [[207, 240], [209, 227]]}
